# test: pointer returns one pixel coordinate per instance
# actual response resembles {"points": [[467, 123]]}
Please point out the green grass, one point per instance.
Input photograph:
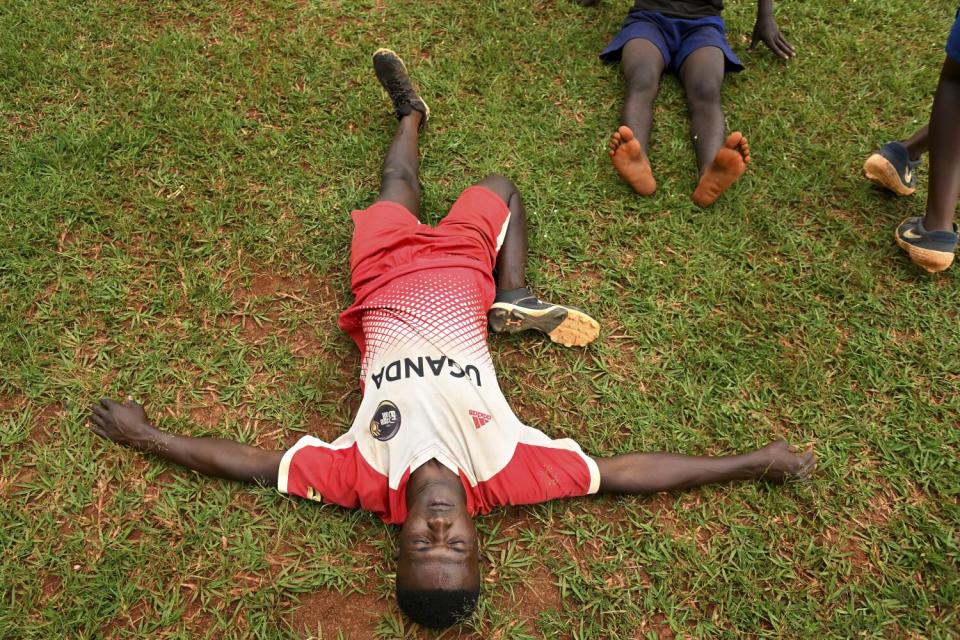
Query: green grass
{"points": [[175, 186]]}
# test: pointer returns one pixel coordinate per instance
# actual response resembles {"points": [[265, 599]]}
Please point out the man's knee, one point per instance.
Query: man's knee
{"points": [[500, 185], [641, 78], [401, 174], [703, 91]]}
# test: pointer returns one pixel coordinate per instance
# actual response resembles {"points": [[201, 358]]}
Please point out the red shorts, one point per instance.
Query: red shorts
{"points": [[389, 241]]}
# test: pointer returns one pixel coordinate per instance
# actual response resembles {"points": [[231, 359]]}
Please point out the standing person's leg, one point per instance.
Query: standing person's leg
{"points": [[931, 241], [892, 166], [720, 161], [916, 145], [944, 150], [629, 146]]}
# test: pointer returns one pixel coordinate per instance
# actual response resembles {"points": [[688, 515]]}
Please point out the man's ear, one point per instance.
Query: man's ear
{"points": [[396, 553]]}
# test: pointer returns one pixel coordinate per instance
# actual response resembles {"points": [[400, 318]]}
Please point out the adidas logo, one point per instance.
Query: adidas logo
{"points": [[479, 419]]}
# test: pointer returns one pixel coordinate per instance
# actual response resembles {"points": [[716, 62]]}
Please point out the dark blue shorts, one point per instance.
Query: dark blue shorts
{"points": [[676, 38], [953, 42]]}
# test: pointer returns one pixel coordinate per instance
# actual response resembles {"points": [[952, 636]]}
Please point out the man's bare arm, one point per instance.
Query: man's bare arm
{"points": [[127, 425], [645, 473]]}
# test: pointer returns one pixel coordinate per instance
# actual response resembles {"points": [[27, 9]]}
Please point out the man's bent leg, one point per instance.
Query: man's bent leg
{"points": [[516, 308], [511, 263]]}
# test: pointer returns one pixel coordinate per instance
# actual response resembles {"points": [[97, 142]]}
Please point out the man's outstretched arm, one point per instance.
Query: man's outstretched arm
{"points": [[644, 473], [127, 425]]}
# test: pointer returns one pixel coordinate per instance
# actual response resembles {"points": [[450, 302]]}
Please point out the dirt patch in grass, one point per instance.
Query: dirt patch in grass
{"points": [[50, 587], [41, 430], [196, 620], [210, 414], [320, 427], [355, 615], [9, 403], [883, 503], [311, 305], [656, 624], [128, 620], [537, 593]]}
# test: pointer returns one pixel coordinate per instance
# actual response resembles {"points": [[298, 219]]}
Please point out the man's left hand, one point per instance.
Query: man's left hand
{"points": [[766, 30]]}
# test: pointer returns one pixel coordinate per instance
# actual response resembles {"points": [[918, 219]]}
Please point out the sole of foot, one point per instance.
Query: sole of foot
{"points": [[631, 162], [564, 325], [881, 171], [729, 164], [927, 259]]}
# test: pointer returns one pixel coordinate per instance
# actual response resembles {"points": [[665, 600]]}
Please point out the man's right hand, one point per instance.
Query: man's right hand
{"points": [[124, 423]]}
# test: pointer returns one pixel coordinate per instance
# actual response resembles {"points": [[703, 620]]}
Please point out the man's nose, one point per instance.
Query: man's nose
{"points": [[438, 524]]}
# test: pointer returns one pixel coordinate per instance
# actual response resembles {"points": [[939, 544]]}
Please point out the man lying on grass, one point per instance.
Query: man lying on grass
{"points": [[434, 442]]}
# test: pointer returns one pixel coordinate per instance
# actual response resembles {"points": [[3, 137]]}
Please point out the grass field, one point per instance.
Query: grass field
{"points": [[175, 184]]}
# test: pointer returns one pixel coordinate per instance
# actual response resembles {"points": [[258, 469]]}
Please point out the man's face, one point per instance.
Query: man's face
{"points": [[438, 543]]}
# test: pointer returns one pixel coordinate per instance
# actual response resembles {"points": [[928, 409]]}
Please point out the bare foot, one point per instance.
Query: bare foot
{"points": [[729, 164], [781, 462], [631, 162]]}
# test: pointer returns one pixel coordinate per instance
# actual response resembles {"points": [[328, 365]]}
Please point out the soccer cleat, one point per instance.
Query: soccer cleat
{"points": [[393, 76], [932, 251], [892, 169], [519, 310]]}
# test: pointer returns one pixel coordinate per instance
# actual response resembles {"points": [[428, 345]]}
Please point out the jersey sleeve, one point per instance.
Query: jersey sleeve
{"points": [[541, 469], [336, 474]]}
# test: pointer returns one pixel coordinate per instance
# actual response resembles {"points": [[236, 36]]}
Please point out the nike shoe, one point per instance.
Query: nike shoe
{"points": [[520, 310], [930, 250], [892, 169], [393, 76]]}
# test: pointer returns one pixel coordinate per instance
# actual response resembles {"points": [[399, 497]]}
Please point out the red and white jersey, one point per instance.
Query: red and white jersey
{"points": [[430, 392]]}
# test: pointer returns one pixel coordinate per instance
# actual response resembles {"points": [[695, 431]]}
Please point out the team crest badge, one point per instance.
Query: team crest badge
{"points": [[385, 422]]}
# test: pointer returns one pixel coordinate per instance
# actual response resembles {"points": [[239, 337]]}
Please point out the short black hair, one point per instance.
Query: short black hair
{"points": [[437, 608]]}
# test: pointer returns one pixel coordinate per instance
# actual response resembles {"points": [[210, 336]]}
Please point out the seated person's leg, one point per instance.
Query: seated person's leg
{"points": [[642, 67], [720, 161]]}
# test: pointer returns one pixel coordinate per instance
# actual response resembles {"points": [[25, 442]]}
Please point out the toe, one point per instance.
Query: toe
{"points": [[625, 133], [733, 140]]}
